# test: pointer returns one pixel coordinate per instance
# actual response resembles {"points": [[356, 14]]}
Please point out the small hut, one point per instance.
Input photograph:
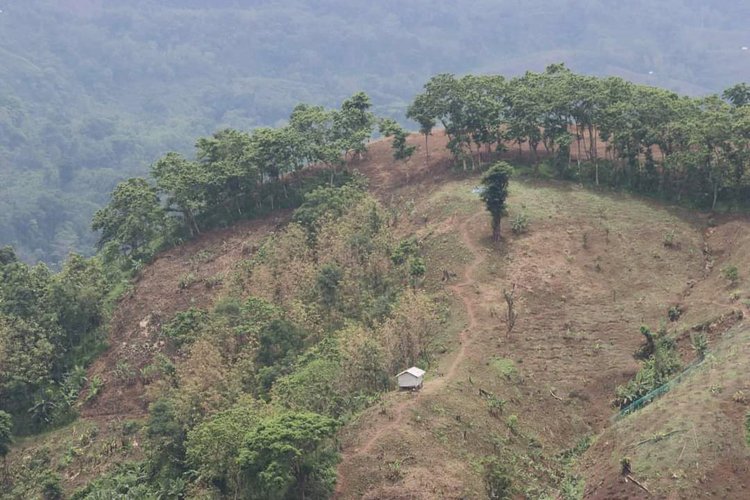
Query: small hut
{"points": [[411, 379]]}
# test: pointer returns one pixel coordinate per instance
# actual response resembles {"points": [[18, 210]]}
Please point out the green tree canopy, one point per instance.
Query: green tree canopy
{"points": [[132, 219], [289, 455]]}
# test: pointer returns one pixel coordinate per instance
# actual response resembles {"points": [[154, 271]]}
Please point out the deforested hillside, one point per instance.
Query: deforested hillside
{"points": [[536, 403], [566, 258], [517, 411]]}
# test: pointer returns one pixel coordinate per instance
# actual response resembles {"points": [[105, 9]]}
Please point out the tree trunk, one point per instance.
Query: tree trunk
{"points": [[192, 224], [596, 173], [716, 195], [496, 229]]}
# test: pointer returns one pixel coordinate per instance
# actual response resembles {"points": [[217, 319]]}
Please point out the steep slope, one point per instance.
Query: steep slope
{"points": [[691, 442], [191, 275], [591, 270]]}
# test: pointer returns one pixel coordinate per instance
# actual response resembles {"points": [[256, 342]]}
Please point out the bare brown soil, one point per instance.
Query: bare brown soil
{"points": [[157, 295], [592, 269]]}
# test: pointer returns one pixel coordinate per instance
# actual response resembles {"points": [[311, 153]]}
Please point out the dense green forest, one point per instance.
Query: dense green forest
{"points": [[93, 92]]}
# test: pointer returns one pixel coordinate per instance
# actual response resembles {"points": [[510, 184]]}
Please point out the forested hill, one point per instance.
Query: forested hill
{"points": [[92, 92]]}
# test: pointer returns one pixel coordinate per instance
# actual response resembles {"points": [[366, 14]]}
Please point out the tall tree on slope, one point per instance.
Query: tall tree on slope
{"points": [[495, 183]]}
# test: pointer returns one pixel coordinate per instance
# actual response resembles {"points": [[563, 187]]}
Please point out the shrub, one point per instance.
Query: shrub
{"points": [[731, 273], [51, 486], [512, 423], [126, 481], [740, 397], [495, 405], [669, 239], [230, 307], [124, 372], [674, 312], [95, 387], [149, 373], [661, 361], [185, 326], [186, 281], [130, 427], [203, 257], [520, 223], [572, 488], [213, 281], [498, 481], [747, 428], [404, 251], [699, 343], [417, 270], [327, 284], [626, 466], [503, 366], [394, 472]]}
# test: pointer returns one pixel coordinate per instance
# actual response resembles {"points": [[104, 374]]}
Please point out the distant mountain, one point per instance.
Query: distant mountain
{"points": [[91, 91]]}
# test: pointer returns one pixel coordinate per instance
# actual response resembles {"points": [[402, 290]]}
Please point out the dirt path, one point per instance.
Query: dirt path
{"points": [[431, 386]]}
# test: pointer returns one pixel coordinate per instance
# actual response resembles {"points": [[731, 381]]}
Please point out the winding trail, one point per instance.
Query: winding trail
{"points": [[431, 386]]}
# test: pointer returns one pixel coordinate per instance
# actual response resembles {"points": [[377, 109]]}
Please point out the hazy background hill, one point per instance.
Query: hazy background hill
{"points": [[92, 91]]}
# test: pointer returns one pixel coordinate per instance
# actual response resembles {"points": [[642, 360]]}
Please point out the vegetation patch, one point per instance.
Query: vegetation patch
{"points": [[660, 362], [504, 367]]}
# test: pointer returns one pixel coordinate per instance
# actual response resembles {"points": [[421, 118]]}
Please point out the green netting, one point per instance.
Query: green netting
{"points": [[659, 391]]}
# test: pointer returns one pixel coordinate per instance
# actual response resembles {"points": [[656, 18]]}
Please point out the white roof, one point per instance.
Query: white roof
{"points": [[417, 372]]}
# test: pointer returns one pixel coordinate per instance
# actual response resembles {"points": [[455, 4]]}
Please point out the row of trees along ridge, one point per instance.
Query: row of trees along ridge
{"points": [[654, 140]]}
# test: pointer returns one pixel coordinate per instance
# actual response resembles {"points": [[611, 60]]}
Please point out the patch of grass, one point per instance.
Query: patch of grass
{"points": [[571, 454], [187, 280], [443, 252], [454, 199], [512, 423], [123, 372], [520, 223], [394, 470], [202, 257], [214, 281], [572, 487], [503, 366]]}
